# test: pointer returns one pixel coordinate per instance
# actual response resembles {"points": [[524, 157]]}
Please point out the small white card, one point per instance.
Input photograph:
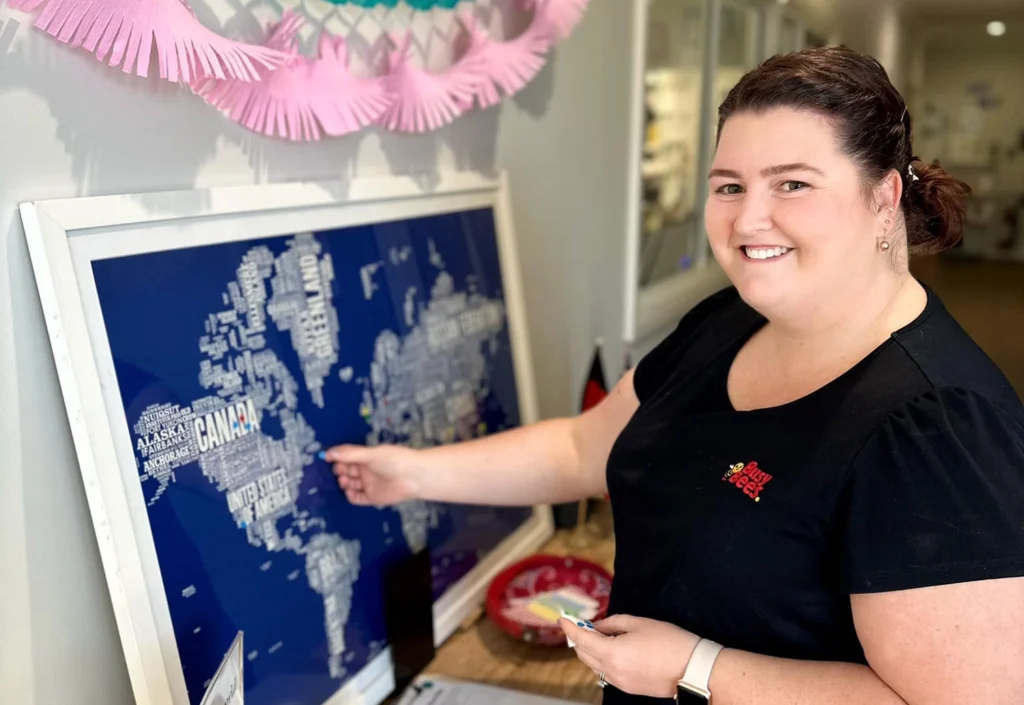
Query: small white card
{"points": [[228, 685]]}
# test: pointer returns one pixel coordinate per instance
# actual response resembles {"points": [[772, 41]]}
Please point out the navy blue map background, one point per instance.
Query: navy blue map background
{"points": [[217, 581]]}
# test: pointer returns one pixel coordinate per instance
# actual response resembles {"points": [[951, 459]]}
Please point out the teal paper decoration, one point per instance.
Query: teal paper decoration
{"points": [[430, 4], [415, 4]]}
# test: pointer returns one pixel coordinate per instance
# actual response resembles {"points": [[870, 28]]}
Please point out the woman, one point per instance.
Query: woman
{"points": [[818, 470]]}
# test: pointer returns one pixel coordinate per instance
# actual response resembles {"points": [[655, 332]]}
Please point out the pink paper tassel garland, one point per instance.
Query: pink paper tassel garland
{"points": [[273, 90], [303, 98], [278, 104], [344, 103], [501, 66], [127, 29], [556, 19], [421, 101]]}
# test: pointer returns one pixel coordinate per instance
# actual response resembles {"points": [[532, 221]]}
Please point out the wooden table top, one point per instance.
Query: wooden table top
{"points": [[483, 653]]}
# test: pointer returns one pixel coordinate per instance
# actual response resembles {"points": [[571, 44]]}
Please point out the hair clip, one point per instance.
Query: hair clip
{"points": [[912, 174]]}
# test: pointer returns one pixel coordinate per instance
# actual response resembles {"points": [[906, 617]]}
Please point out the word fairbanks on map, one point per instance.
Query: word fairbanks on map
{"points": [[224, 425], [262, 497]]}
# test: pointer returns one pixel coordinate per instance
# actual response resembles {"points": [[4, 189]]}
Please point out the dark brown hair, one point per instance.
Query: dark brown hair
{"points": [[873, 127]]}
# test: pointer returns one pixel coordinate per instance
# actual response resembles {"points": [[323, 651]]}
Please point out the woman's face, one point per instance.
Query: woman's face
{"points": [[787, 217]]}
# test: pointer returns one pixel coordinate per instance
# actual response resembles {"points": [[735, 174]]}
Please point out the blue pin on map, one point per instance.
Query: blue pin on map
{"points": [[322, 455]]}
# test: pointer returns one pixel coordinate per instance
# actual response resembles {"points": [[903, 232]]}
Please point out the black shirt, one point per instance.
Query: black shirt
{"points": [[753, 528]]}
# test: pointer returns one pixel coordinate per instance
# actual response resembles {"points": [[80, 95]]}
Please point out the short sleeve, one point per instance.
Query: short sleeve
{"points": [[653, 368], [936, 496]]}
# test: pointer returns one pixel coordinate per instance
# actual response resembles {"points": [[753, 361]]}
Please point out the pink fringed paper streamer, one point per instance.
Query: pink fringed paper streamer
{"points": [[344, 103], [279, 103], [496, 67], [126, 30], [305, 97], [421, 101], [273, 90], [556, 19]]}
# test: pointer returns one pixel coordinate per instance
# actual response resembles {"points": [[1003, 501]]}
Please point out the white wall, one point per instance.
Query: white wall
{"points": [[565, 145], [70, 126], [877, 28], [950, 65]]}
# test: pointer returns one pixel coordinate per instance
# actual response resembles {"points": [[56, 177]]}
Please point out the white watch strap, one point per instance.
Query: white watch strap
{"points": [[698, 670]]}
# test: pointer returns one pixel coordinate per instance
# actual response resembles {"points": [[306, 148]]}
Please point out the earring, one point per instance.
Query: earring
{"points": [[883, 245]]}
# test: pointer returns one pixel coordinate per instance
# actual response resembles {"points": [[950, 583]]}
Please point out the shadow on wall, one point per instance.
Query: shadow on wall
{"points": [[158, 125], [535, 99]]}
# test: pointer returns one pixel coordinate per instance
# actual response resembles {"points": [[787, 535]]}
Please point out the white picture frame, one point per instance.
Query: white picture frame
{"points": [[64, 236]]}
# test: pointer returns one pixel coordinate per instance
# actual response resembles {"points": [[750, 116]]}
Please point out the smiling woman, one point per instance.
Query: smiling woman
{"points": [[817, 478], [839, 157], [832, 471]]}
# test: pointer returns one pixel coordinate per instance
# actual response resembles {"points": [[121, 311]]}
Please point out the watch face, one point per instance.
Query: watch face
{"points": [[686, 697]]}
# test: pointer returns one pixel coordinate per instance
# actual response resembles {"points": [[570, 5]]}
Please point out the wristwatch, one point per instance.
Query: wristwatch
{"points": [[692, 689]]}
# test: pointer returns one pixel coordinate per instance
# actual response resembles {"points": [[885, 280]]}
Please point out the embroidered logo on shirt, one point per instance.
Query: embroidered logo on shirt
{"points": [[749, 478]]}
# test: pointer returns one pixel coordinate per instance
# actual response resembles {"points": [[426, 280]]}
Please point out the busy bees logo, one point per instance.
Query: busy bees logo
{"points": [[749, 478]]}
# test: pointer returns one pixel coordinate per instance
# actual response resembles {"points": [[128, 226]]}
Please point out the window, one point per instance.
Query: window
{"points": [[669, 239], [738, 48]]}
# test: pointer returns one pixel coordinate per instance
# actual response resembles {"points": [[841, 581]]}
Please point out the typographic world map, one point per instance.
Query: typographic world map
{"points": [[237, 363]]}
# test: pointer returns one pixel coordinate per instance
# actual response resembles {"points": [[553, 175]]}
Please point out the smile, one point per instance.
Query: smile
{"points": [[761, 253]]}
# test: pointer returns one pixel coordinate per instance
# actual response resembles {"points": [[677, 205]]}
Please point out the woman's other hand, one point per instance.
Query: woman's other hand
{"points": [[378, 476], [636, 655]]}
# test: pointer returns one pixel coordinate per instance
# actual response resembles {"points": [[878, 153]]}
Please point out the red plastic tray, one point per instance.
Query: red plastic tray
{"points": [[539, 574]]}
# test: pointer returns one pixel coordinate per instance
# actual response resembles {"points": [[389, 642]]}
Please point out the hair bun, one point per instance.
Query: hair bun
{"points": [[936, 208]]}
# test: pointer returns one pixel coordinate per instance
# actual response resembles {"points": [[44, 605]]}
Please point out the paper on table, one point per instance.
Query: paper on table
{"points": [[126, 30], [427, 690], [545, 609], [228, 685]]}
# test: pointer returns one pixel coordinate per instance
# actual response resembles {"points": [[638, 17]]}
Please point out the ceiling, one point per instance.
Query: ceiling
{"points": [[993, 9], [963, 5], [1002, 8]]}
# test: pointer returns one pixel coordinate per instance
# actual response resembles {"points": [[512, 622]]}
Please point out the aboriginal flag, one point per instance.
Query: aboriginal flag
{"points": [[595, 388]]}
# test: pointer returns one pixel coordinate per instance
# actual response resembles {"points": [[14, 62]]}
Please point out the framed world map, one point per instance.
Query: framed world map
{"points": [[211, 343]]}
